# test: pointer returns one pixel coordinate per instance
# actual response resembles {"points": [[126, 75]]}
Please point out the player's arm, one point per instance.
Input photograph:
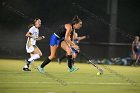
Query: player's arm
{"points": [[29, 34], [81, 38], [40, 38]]}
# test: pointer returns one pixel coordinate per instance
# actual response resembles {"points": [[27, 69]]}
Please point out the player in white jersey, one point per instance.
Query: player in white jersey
{"points": [[31, 48]]}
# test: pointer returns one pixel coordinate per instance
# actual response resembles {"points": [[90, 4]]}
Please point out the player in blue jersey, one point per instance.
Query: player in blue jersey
{"points": [[64, 33]]}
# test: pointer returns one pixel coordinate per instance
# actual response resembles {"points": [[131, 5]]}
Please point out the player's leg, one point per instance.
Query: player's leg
{"points": [[30, 50], [74, 55], [26, 66], [48, 59], [51, 57], [54, 43], [68, 50], [65, 47], [36, 54], [133, 56], [137, 59]]}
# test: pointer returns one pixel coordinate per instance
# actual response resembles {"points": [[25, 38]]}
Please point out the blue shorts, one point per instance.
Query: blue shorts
{"points": [[54, 40]]}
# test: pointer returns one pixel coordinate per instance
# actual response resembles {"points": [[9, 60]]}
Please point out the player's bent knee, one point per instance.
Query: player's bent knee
{"points": [[40, 54], [52, 57]]}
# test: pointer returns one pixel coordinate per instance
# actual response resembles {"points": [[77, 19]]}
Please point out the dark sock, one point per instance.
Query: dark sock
{"points": [[69, 57], [73, 60], [28, 63], [47, 61], [63, 57], [133, 62]]}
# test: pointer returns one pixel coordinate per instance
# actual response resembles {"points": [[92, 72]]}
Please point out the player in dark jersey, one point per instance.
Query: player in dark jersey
{"points": [[135, 50], [63, 34]]}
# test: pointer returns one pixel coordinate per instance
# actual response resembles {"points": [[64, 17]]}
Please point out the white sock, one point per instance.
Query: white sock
{"points": [[25, 66], [34, 57]]}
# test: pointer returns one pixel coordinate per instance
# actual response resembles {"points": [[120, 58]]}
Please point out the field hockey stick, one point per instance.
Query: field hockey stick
{"points": [[91, 62], [72, 48]]}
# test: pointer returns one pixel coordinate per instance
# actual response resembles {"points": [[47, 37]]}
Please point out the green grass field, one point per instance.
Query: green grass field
{"points": [[122, 79]]}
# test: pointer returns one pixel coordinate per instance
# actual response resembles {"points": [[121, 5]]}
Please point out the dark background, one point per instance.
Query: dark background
{"points": [[16, 15]]}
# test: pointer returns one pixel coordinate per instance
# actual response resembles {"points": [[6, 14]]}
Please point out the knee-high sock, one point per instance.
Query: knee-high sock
{"points": [[31, 59], [47, 61], [73, 60], [69, 57], [34, 57]]}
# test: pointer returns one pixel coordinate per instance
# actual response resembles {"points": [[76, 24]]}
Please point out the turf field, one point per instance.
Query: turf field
{"points": [[116, 79]]}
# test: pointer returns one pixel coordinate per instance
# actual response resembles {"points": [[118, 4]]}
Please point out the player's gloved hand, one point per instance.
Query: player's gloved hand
{"points": [[76, 47], [75, 50]]}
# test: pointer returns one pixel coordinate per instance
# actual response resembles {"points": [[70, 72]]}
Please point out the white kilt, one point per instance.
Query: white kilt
{"points": [[30, 49]]}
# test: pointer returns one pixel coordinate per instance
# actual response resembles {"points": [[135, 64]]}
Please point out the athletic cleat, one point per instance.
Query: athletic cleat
{"points": [[41, 70], [26, 69], [73, 69], [70, 70]]}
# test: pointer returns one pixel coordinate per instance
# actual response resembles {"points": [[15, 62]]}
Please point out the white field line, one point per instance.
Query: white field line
{"points": [[75, 83]]}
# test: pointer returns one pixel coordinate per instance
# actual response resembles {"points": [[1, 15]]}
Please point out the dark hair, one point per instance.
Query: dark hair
{"points": [[76, 20], [33, 23]]}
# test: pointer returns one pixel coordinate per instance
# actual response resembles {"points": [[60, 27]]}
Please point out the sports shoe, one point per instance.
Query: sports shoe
{"points": [[73, 69], [26, 69], [70, 70], [41, 70]]}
